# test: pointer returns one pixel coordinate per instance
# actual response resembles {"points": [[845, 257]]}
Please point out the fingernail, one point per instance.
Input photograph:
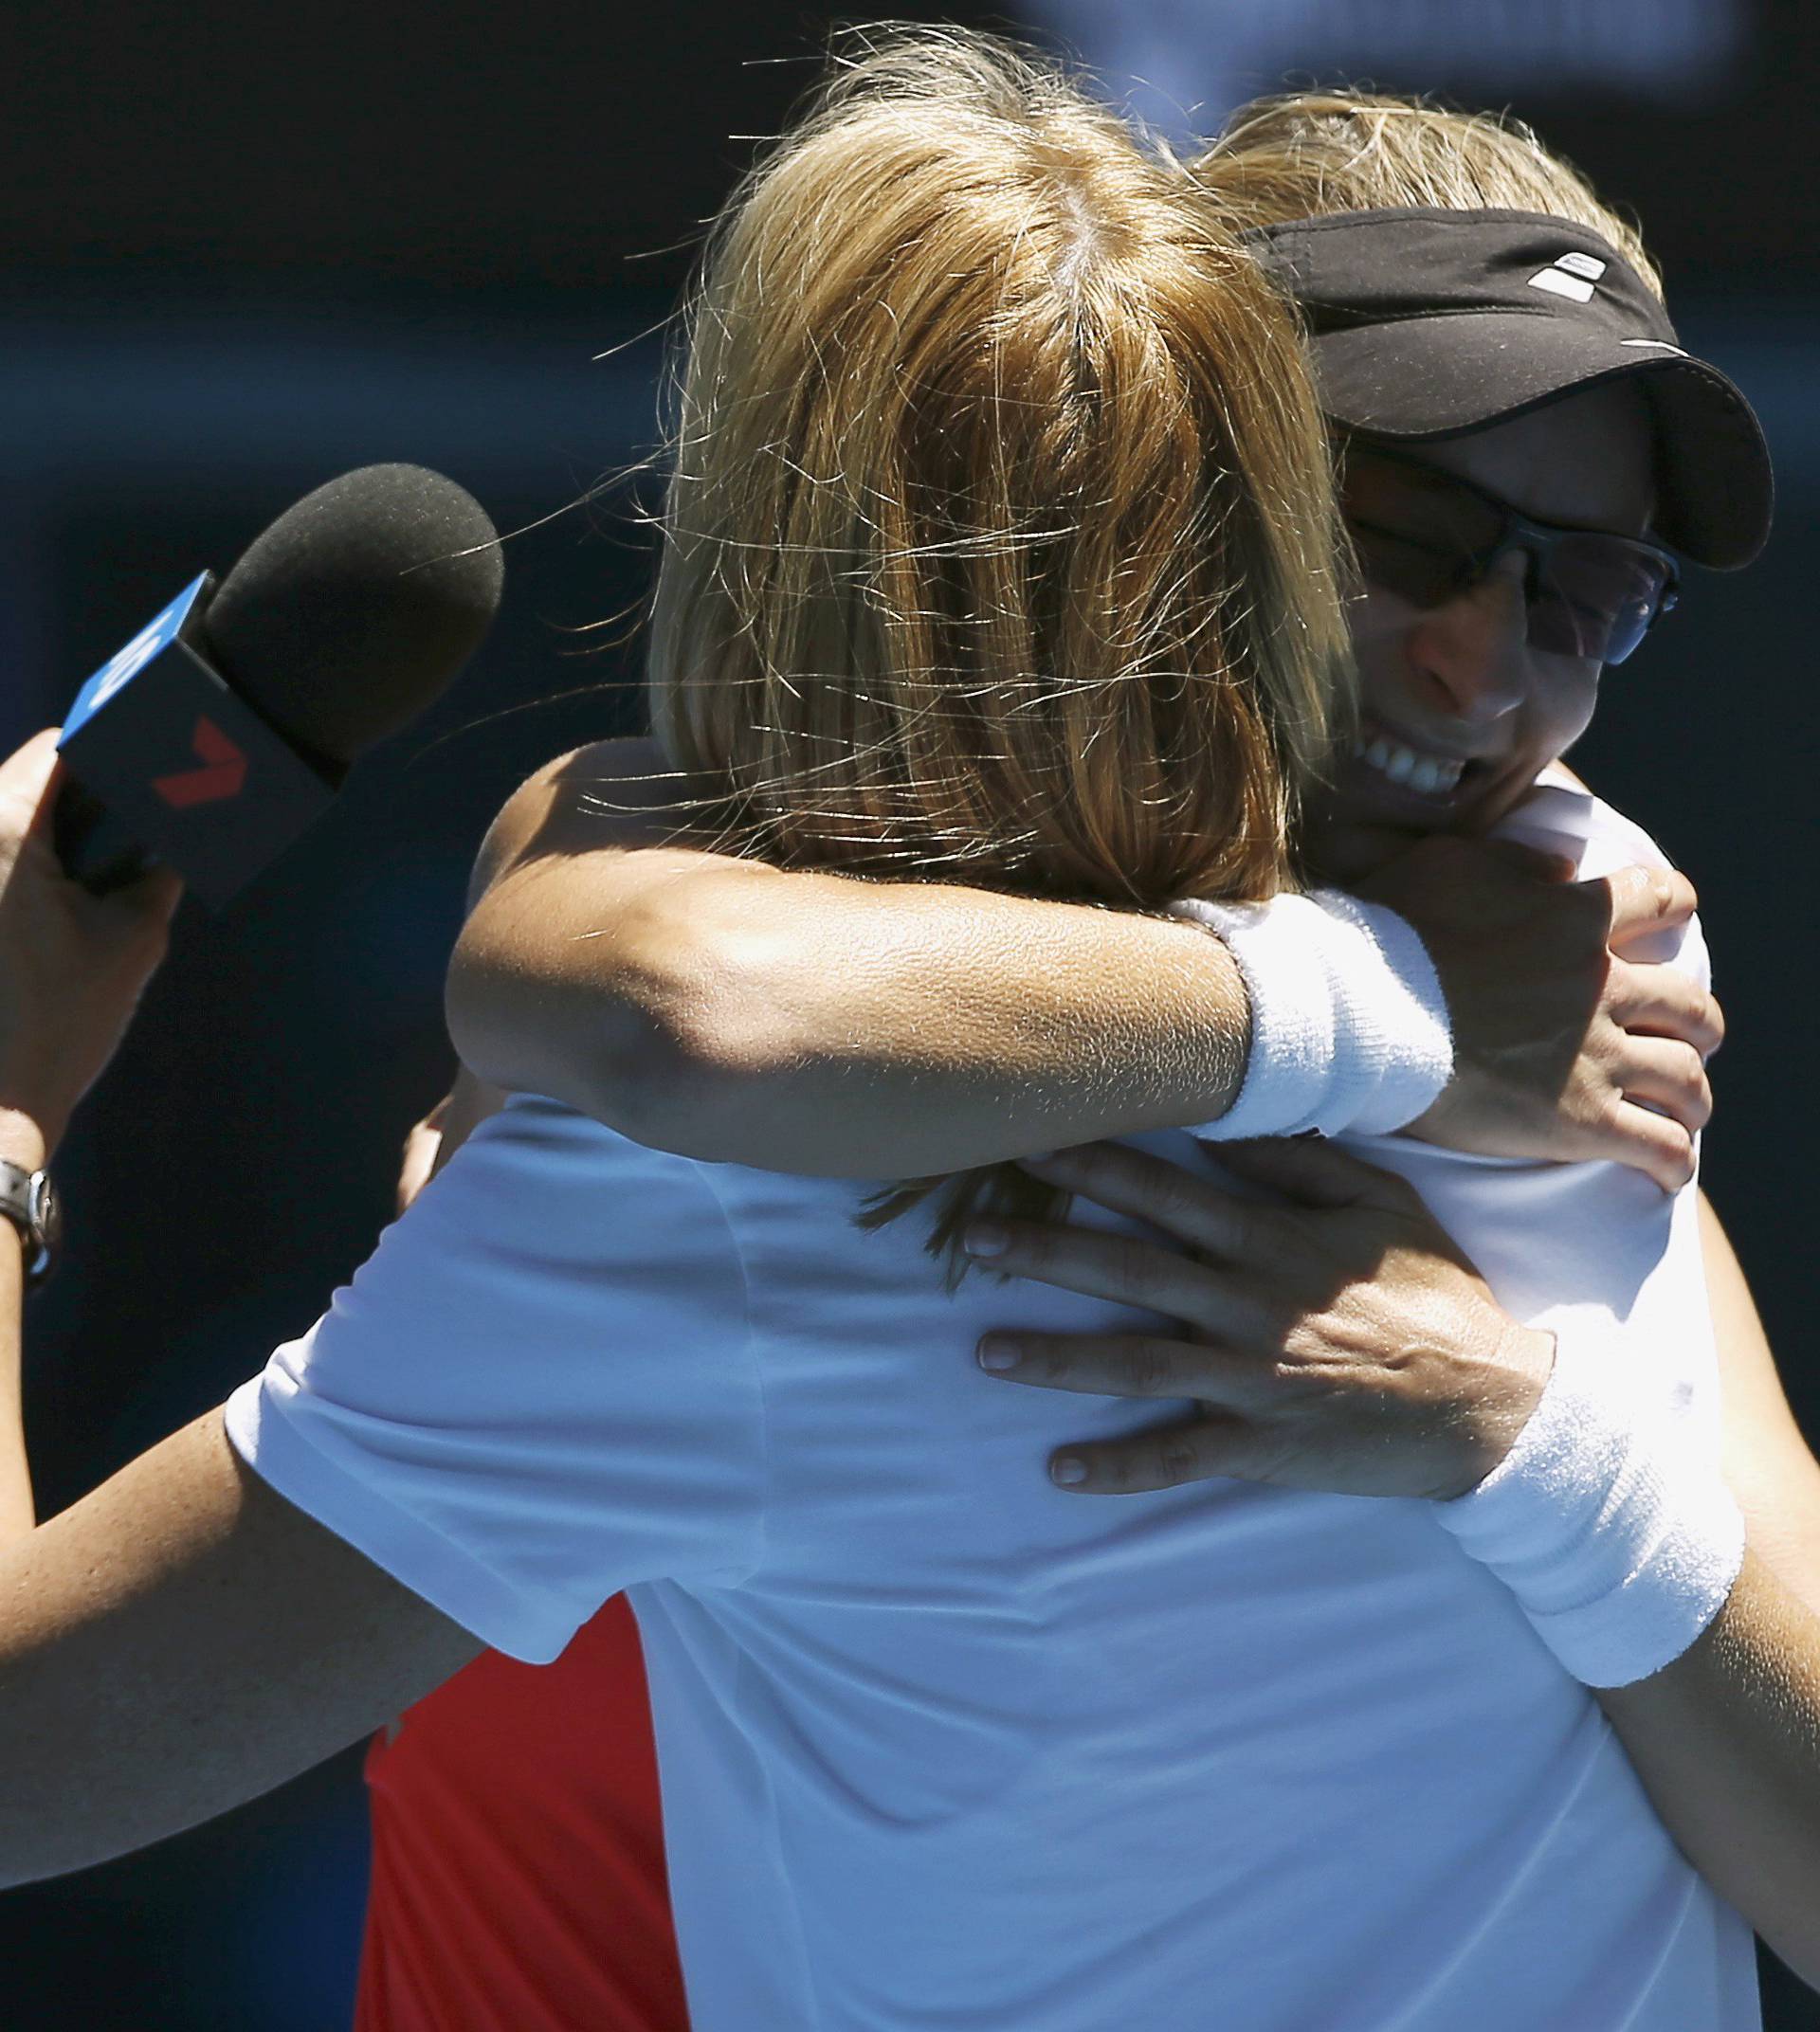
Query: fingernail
{"points": [[996, 1353], [984, 1237], [1067, 1470]]}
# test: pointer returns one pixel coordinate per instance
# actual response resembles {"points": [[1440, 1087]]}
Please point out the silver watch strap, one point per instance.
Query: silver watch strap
{"points": [[23, 1200]]}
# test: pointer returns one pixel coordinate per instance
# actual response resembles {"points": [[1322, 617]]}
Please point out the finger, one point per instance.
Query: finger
{"points": [[419, 1162], [1313, 1172], [1660, 1001], [1115, 1365], [1127, 1181], [1668, 1076], [1199, 1449], [26, 777], [1646, 899], [1645, 1141], [1124, 1268]]}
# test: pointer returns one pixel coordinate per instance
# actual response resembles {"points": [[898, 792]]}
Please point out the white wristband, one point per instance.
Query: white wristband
{"points": [[1615, 1530], [1349, 1027]]}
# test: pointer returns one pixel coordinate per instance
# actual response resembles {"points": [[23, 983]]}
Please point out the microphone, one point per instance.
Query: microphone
{"points": [[214, 736]]}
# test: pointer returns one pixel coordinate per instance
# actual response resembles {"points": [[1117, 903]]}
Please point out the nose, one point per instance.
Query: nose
{"points": [[1470, 652]]}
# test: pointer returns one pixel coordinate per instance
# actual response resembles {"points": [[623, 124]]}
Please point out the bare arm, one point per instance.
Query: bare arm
{"points": [[1769, 1464], [180, 1641], [1727, 1738], [74, 967], [182, 1638], [808, 1022], [726, 1011]]}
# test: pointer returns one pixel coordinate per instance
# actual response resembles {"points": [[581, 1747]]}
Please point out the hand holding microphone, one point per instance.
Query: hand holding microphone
{"points": [[72, 965], [214, 736], [196, 753]]}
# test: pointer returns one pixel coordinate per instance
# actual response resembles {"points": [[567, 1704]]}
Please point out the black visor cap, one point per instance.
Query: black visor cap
{"points": [[1428, 324]]}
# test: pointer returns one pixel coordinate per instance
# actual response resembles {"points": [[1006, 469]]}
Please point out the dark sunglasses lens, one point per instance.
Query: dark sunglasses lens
{"points": [[1417, 533], [1596, 596]]}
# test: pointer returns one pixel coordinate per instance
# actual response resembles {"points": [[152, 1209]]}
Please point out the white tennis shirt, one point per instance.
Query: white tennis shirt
{"points": [[944, 1748]]}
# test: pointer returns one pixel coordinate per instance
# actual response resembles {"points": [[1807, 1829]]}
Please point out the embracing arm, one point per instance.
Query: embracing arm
{"points": [[807, 1022], [1727, 1737]]}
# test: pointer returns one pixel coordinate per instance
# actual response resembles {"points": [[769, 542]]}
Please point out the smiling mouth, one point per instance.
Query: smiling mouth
{"points": [[1409, 769]]}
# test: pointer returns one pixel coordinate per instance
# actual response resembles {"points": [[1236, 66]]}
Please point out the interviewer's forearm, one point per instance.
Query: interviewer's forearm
{"points": [[815, 1024]]}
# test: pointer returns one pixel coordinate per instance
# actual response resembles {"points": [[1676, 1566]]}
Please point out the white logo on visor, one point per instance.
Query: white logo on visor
{"points": [[1570, 276], [1655, 345]]}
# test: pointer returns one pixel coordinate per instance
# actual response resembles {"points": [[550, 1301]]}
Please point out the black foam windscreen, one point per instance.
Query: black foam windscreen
{"points": [[348, 615]]}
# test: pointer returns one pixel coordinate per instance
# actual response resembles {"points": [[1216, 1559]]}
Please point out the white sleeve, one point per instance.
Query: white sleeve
{"points": [[539, 1389]]}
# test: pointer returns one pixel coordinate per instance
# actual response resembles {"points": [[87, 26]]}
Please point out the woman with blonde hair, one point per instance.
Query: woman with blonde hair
{"points": [[1000, 542]]}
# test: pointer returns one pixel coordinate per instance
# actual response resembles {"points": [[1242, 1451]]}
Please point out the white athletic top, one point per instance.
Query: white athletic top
{"points": [[946, 1749]]}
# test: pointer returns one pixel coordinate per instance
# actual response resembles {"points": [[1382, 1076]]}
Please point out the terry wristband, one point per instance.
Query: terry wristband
{"points": [[1349, 1027], [1617, 1536]]}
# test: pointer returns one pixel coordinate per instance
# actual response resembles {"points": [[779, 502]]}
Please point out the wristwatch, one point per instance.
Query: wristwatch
{"points": [[29, 1201]]}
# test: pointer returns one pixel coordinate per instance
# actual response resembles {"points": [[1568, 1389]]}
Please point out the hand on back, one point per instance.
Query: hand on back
{"points": [[434, 1140], [1330, 1333]]}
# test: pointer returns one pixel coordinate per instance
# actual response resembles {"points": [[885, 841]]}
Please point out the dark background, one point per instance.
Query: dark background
{"points": [[241, 250]]}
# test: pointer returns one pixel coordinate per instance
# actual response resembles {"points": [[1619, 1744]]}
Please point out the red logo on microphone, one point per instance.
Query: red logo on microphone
{"points": [[222, 775]]}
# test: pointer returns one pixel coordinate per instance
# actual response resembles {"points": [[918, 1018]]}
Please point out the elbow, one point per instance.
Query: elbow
{"points": [[654, 1038]]}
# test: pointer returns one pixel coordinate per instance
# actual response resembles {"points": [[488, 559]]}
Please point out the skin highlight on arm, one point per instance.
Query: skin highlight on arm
{"points": [[815, 1023]]}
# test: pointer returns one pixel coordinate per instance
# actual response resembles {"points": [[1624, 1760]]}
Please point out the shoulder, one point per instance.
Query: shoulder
{"points": [[541, 1388], [1561, 815], [612, 794], [1564, 815], [547, 1244]]}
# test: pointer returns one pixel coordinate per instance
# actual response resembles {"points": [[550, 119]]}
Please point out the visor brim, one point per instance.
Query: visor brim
{"points": [[1443, 374]]}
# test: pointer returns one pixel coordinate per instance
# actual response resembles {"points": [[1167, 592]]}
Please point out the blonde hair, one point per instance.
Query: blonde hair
{"points": [[1000, 542], [999, 545], [1303, 154]]}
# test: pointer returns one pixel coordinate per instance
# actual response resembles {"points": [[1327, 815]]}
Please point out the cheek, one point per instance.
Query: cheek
{"points": [[1377, 622], [1562, 705]]}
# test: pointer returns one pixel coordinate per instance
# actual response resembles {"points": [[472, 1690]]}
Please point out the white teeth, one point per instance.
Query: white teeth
{"points": [[1428, 774]]}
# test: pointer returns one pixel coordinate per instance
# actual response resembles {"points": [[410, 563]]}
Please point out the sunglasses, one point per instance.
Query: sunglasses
{"points": [[1428, 537]]}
